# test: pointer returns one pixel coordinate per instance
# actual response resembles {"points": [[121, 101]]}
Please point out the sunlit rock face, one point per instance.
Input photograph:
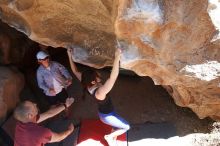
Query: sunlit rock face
{"points": [[11, 84], [175, 42], [61, 23]]}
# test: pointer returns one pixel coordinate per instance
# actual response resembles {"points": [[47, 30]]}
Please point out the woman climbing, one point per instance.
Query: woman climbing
{"points": [[91, 81]]}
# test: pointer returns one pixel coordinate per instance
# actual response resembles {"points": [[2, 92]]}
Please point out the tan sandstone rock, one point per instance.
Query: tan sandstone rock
{"points": [[61, 23], [175, 42], [174, 45], [13, 45], [11, 84]]}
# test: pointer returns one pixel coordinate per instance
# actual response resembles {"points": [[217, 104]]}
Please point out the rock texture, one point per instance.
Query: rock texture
{"points": [[11, 84], [62, 23], [175, 42], [13, 46]]}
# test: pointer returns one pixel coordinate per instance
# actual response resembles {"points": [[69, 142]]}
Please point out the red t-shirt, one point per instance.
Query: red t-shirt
{"points": [[31, 134]]}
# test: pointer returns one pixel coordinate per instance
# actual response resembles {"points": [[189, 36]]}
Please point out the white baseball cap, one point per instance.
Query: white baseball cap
{"points": [[42, 55]]}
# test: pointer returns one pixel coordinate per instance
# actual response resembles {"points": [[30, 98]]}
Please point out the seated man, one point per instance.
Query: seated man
{"points": [[53, 78], [29, 133]]}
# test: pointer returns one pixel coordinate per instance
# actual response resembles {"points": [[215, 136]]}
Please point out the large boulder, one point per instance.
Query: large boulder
{"points": [[175, 42], [87, 23], [14, 46], [11, 84]]}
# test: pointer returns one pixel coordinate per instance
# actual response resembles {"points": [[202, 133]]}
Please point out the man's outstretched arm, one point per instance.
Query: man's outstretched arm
{"points": [[56, 137], [56, 110]]}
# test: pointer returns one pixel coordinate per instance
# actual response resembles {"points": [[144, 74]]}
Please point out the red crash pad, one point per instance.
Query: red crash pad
{"points": [[92, 134]]}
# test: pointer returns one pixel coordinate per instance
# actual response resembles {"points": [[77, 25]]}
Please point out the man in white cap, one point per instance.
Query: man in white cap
{"points": [[53, 78]]}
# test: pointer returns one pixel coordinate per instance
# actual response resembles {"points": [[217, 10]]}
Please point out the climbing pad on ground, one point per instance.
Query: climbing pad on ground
{"points": [[92, 134]]}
